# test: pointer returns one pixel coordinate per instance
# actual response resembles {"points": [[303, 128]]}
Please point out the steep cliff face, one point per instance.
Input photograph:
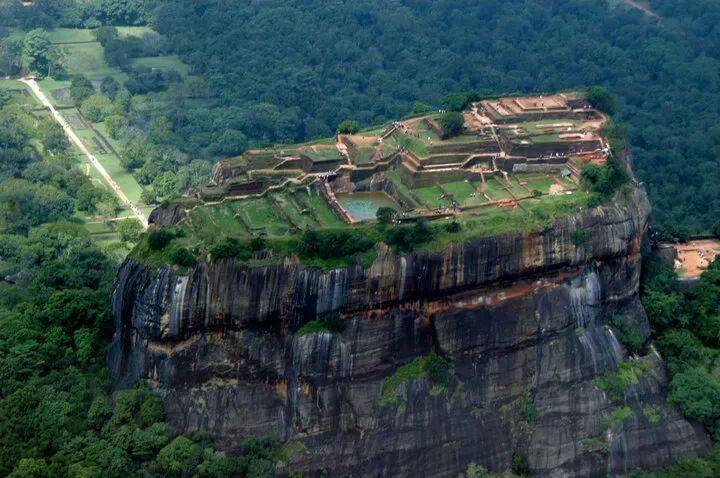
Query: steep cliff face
{"points": [[521, 318]]}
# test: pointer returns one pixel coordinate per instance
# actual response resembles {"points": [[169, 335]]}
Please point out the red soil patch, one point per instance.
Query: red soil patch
{"points": [[695, 256]]}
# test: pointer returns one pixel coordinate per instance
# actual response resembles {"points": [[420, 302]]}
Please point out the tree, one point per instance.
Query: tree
{"points": [[159, 239], [114, 123], [348, 127], [183, 257], [96, 107], [106, 34], [456, 101], [129, 229], [160, 130], [116, 54], [109, 87], [87, 196], [30, 468], [230, 142], [121, 12], [385, 215], [36, 51], [165, 185], [107, 208], [52, 136], [697, 393], [452, 123], [148, 196], [602, 99], [80, 89], [179, 458], [10, 56], [419, 108]]}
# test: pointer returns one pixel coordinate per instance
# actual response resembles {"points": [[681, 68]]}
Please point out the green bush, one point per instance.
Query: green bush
{"points": [[452, 123], [616, 384], [233, 248], [183, 257], [159, 239], [348, 127], [405, 238], [604, 179], [333, 324], [520, 465], [528, 412], [697, 393], [452, 227], [629, 335], [618, 416], [602, 99], [459, 101], [333, 244], [436, 369], [579, 237], [385, 215]]}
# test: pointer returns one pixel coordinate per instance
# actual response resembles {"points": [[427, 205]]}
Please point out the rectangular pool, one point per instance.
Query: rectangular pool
{"points": [[363, 206]]}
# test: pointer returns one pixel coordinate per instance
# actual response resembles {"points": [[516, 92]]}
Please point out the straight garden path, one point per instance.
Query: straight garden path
{"points": [[75, 139]]}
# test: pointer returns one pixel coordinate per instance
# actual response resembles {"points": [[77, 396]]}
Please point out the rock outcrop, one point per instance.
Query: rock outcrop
{"points": [[522, 319]]}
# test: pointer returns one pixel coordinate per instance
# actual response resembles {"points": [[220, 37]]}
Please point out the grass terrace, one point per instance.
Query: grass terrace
{"points": [[443, 196]]}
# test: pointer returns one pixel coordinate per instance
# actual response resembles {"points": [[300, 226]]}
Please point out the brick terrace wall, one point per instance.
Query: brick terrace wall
{"points": [[468, 148], [546, 149]]}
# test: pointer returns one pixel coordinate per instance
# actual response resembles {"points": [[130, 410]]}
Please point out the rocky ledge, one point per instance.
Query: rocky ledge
{"points": [[519, 323]]}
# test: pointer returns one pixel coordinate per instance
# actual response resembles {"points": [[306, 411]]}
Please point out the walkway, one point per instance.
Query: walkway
{"points": [[642, 7], [75, 139]]}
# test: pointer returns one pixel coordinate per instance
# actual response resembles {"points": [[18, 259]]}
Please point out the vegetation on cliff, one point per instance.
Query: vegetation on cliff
{"points": [[686, 326], [436, 370]]}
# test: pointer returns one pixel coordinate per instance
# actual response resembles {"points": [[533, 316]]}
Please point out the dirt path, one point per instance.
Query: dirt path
{"points": [[642, 7], [75, 139]]}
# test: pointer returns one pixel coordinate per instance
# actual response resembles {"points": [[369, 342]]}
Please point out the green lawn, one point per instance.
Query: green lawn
{"points": [[260, 214], [50, 86], [517, 189], [70, 35], [88, 59], [394, 176], [163, 63], [495, 191], [363, 156], [534, 214], [459, 189], [12, 85], [542, 185], [325, 216], [462, 192], [432, 197], [292, 210], [134, 31], [410, 143], [532, 126], [532, 182], [75, 35], [319, 155]]}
